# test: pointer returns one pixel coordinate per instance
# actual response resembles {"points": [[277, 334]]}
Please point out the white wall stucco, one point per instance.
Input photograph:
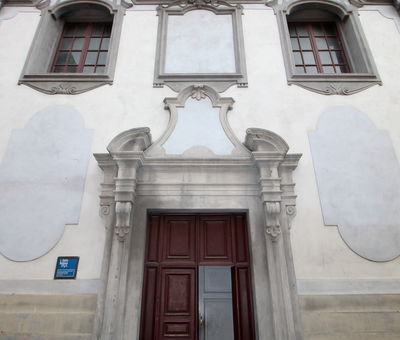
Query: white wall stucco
{"points": [[319, 252]]}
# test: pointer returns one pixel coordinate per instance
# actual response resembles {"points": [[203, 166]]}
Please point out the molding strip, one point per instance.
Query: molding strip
{"points": [[343, 287]]}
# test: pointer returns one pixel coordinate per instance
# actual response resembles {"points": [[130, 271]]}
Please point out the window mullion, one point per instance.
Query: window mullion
{"points": [[314, 48], [88, 34]]}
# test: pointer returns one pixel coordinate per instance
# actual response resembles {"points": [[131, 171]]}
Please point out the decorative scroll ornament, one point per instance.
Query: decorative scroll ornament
{"points": [[273, 229], [63, 90], [40, 4], [291, 213], [200, 3], [123, 217], [332, 89], [105, 210]]}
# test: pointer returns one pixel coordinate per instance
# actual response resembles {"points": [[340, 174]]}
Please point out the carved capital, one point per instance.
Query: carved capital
{"points": [[123, 217], [272, 212]]}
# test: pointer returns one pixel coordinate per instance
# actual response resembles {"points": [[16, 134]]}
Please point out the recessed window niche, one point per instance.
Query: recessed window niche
{"points": [[202, 44]]}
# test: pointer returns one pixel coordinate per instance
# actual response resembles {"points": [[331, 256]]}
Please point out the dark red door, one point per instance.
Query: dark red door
{"points": [[176, 245]]}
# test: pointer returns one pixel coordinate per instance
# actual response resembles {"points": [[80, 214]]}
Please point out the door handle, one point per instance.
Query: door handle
{"points": [[201, 320]]}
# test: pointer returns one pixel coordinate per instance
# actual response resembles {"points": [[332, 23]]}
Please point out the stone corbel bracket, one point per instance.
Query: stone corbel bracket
{"points": [[125, 156], [269, 152]]}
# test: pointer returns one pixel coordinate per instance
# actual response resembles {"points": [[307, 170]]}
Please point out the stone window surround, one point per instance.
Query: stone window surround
{"points": [[44, 46], [179, 81], [330, 84]]}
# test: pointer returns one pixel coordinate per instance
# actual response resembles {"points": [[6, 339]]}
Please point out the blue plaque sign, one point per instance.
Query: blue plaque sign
{"points": [[66, 267]]}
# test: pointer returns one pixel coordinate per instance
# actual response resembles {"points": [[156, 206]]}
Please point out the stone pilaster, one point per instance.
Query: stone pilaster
{"points": [[277, 196], [120, 168]]}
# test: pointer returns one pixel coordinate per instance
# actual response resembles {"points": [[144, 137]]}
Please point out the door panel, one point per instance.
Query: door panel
{"points": [[242, 300], [215, 240], [149, 303], [178, 306], [178, 247], [241, 240], [215, 303], [179, 239]]}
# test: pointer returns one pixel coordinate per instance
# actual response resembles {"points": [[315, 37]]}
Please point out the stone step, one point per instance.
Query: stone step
{"points": [[30, 336], [47, 303], [47, 323]]}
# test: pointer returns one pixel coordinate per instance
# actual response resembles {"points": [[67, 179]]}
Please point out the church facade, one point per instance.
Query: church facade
{"points": [[200, 169]]}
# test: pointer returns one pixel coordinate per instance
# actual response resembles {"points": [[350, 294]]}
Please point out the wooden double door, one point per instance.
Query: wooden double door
{"points": [[197, 283]]}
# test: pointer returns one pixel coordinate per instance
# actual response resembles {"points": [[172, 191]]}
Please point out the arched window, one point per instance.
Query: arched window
{"points": [[75, 47], [324, 48]]}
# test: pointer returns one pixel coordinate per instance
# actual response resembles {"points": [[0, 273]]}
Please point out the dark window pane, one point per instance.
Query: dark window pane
{"points": [[107, 29], [100, 69], [328, 69], [311, 70], [81, 30], [292, 30], [94, 43], [309, 58], [317, 29], [88, 69], [337, 57], [321, 44], [97, 30], [72, 69], [91, 58], [341, 69], [105, 43], [297, 58], [300, 69], [325, 58], [66, 44], [305, 44], [302, 30], [102, 58], [58, 69], [333, 43], [78, 44], [62, 58], [69, 31], [330, 29], [74, 58]]}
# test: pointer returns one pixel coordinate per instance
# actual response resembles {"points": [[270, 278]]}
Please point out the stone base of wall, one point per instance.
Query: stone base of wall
{"points": [[351, 317], [47, 317]]}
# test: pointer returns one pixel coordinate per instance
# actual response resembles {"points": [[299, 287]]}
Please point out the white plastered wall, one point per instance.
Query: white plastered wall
{"points": [[269, 103]]}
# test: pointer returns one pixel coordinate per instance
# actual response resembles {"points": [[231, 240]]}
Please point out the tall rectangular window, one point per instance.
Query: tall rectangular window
{"points": [[83, 48], [317, 48]]}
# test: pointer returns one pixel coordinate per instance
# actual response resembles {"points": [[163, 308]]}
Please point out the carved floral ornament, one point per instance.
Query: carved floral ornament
{"points": [[199, 4]]}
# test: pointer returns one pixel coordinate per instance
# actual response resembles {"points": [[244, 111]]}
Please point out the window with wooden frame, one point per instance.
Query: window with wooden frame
{"points": [[75, 47], [317, 48], [83, 47], [324, 47]]}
